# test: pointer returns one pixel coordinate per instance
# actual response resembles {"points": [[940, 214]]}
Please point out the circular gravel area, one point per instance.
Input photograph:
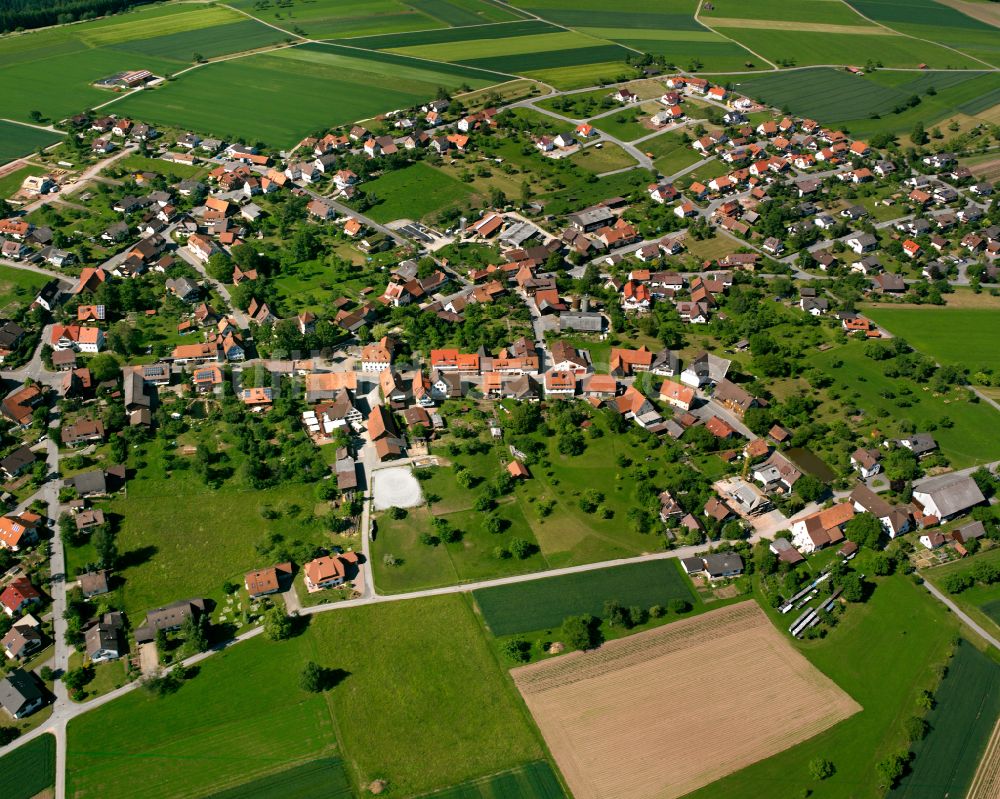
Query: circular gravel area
{"points": [[396, 487]]}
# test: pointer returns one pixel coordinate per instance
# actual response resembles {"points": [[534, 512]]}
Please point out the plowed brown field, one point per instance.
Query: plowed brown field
{"points": [[986, 783], [661, 713]]}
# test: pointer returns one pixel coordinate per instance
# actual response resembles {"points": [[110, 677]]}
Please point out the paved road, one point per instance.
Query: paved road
{"points": [[241, 318], [962, 615]]}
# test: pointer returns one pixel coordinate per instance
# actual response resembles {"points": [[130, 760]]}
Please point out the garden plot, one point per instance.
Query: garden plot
{"points": [[661, 713], [396, 487]]}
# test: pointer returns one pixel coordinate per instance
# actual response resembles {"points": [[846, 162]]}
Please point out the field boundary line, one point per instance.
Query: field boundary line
{"points": [[993, 67], [510, 75], [697, 18]]}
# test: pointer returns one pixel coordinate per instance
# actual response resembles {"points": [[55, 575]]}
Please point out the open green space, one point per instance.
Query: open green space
{"points": [[541, 604], [812, 47], [480, 51], [18, 140], [171, 171], [862, 383], [11, 182], [278, 97], [19, 286], [937, 22], [610, 157], [958, 337], [29, 770], [901, 631], [414, 192], [322, 777], [533, 781], [670, 153], [171, 519], [533, 62], [966, 708], [401, 666], [52, 70]]}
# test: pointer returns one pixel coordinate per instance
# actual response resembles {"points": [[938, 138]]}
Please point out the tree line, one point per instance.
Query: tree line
{"points": [[19, 14]]}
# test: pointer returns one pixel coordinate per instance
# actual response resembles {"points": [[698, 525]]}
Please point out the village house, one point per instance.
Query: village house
{"points": [[821, 528], [329, 571]]}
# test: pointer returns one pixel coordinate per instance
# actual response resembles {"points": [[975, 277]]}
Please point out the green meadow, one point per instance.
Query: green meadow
{"points": [[401, 667]]}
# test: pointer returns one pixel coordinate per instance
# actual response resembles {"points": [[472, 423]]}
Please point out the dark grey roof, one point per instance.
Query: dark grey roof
{"points": [[952, 493], [18, 690], [724, 563]]}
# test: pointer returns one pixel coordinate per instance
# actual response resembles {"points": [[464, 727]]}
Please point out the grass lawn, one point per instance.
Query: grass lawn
{"points": [[609, 158], [861, 382], [710, 249], [29, 770], [670, 153], [965, 338], [967, 706], [168, 523], [625, 125], [414, 192], [107, 676], [18, 286], [173, 172], [900, 631], [401, 664], [11, 182]]}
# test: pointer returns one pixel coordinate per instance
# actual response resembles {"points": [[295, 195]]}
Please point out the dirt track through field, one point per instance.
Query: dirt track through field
{"points": [[661, 713], [986, 783], [807, 27]]}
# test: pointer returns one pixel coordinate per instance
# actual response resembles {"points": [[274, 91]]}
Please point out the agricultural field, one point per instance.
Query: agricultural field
{"points": [[52, 70], [986, 782], [533, 781], [802, 48], [322, 777], [836, 97], [425, 654], [414, 192], [339, 19], [267, 92], [936, 22], [542, 604], [964, 338], [900, 630], [615, 732], [29, 770], [669, 14], [961, 724], [401, 42], [18, 140], [803, 11]]}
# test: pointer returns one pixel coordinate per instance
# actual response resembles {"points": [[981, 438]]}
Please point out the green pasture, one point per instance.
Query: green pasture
{"points": [[542, 604], [610, 157], [862, 384], [960, 337], [900, 631], [398, 665], [19, 286], [414, 192], [966, 708]]}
